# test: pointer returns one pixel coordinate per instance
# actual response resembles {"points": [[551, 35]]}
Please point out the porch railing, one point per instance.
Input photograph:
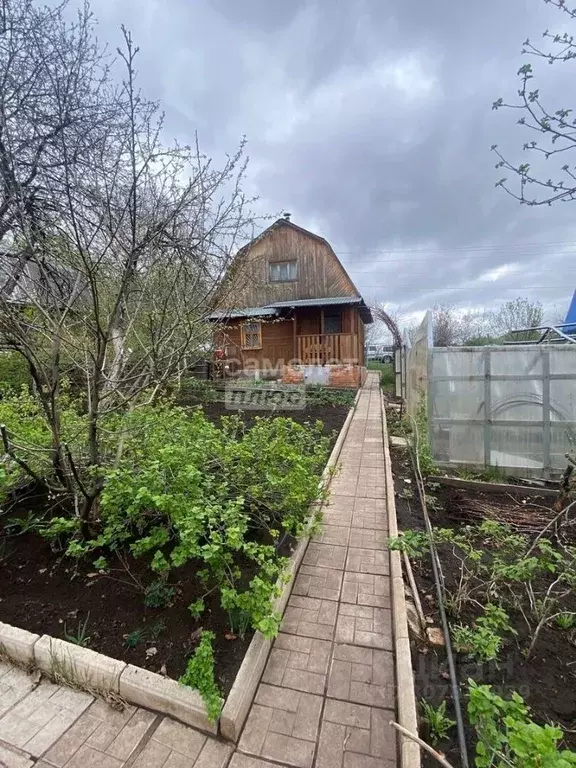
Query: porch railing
{"points": [[320, 349]]}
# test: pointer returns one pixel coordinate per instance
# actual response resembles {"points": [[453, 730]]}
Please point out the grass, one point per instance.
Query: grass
{"points": [[386, 374]]}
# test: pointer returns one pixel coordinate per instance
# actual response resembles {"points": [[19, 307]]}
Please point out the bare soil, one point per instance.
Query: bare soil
{"points": [[44, 592], [547, 680]]}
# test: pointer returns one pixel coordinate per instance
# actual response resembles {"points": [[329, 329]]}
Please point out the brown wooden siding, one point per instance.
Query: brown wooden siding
{"points": [[319, 272], [277, 344], [286, 340]]}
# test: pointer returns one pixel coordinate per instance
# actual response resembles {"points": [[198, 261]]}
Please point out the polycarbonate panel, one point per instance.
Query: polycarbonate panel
{"points": [[562, 441], [457, 362], [516, 400], [457, 400], [563, 359], [518, 447], [516, 361], [563, 399], [458, 444]]}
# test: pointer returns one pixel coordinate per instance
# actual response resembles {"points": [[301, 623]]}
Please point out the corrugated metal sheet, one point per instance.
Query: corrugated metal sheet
{"points": [[272, 309], [229, 314], [328, 301]]}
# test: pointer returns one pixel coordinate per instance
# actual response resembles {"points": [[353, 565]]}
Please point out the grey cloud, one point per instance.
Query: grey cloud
{"points": [[371, 122]]}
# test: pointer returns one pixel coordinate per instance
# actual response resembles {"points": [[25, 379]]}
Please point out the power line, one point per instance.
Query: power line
{"points": [[451, 249], [394, 286], [513, 258]]}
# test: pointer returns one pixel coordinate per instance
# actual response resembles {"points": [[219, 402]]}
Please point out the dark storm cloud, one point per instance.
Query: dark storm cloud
{"points": [[371, 122]]}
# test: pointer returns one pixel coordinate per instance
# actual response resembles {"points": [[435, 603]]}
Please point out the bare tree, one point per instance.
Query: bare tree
{"points": [[554, 127], [118, 257], [446, 325], [517, 314]]}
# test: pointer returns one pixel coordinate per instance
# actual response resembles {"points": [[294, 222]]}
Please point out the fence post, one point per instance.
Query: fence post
{"points": [[546, 435], [487, 408]]}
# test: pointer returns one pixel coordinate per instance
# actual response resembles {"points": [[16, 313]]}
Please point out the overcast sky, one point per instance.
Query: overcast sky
{"points": [[371, 122]]}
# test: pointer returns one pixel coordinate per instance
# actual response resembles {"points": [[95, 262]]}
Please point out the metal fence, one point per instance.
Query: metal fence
{"points": [[512, 407]]}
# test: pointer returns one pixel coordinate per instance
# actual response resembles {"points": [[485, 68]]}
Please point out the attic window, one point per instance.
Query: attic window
{"points": [[251, 334], [282, 271]]}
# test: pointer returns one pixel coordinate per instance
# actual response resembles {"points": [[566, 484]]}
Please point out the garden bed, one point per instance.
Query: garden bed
{"points": [[547, 678], [107, 609], [47, 594], [331, 416]]}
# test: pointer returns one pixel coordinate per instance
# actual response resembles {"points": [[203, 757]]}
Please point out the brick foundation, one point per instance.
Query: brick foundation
{"points": [[340, 376]]}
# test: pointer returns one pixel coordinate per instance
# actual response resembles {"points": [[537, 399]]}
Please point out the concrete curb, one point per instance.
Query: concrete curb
{"points": [[88, 669], [406, 696], [162, 694], [243, 691], [18, 644]]}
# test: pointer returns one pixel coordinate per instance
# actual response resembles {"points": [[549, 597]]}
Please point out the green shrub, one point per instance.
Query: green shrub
{"points": [[316, 394], [186, 490], [14, 372], [508, 738], [181, 490], [199, 674]]}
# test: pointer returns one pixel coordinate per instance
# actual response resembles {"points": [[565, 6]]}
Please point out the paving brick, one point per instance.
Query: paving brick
{"points": [[366, 589], [343, 519], [11, 759], [337, 504], [368, 538], [373, 521], [310, 617], [333, 534], [283, 726], [73, 739], [293, 751], [368, 561], [372, 459], [14, 685], [313, 581], [214, 754], [362, 675], [369, 489], [153, 755], [41, 717], [88, 757], [364, 625], [131, 735], [247, 761], [355, 736], [298, 662], [325, 555], [343, 487], [49, 733], [180, 738]]}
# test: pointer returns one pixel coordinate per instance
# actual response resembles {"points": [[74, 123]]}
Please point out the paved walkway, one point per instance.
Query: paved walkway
{"points": [[327, 694]]}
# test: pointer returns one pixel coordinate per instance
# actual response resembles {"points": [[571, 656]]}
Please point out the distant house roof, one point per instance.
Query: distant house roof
{"points": [[272, 309]]}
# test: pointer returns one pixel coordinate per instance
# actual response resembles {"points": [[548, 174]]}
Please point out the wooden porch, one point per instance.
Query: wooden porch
{"points": [[325, 348]]}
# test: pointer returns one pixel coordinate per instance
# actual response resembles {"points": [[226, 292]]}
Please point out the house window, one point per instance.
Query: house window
{"points": [[282, 271], [333, 323], [251, 335]]}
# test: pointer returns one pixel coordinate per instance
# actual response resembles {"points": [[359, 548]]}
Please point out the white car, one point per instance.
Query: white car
{"points": [[381, 353]]}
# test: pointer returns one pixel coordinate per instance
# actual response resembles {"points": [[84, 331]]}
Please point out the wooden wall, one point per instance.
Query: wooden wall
{"points": [[320, 274], [277, 344], [278, 337]]}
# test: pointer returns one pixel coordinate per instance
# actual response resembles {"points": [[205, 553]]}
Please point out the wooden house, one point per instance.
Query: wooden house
{"points": [[287, 309]]}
